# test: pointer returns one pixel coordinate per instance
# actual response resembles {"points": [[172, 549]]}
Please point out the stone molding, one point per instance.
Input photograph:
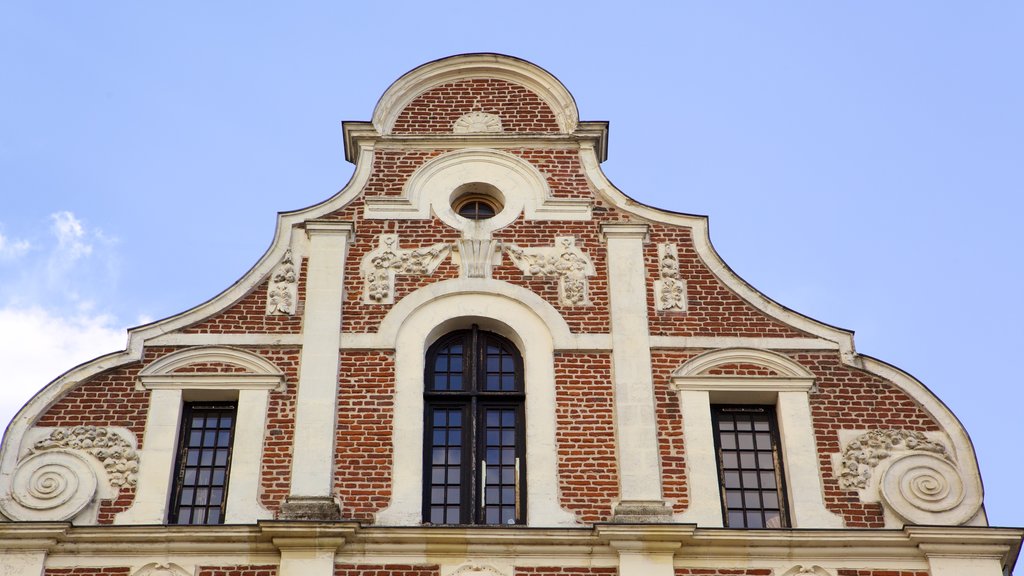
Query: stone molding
{"points": [[477, 123], [477, 258], [783, 366], [446, 70], [524, 191], [670, 287], [563, 260], [283, 287], [914, 477], [259, 373], [380, 266]]}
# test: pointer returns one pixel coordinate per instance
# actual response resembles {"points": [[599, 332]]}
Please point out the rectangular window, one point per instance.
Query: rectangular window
{"points": [[749, 467], [204, 458]]}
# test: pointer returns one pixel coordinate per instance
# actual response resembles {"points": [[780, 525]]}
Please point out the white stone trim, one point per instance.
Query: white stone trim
{"points": [[446, 70], [790, 395], [243, 502], [317, 393], [212, 381], [156, 460], [436, 313], [785, 367], [635, 422], [431, 188], [742, 342]]}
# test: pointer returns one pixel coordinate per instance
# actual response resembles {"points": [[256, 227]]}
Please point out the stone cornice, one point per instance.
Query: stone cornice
{"points": [[359, 136], [913, 543]]}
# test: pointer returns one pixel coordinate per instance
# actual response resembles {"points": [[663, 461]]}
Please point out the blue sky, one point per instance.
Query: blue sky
{"points": [[862, 162]]}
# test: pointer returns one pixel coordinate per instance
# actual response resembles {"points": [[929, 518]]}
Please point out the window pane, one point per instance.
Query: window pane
{"points": [[202, 465], [748, 466]]}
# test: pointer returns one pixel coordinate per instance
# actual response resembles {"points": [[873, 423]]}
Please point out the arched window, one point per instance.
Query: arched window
{"points": [[474, 449]]}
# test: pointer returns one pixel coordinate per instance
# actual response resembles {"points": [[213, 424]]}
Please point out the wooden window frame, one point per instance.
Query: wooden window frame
{"points": [[474, 401], [181, 464]]}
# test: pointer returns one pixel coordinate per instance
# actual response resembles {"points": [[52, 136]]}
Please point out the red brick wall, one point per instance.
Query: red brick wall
{"points": [[249, 315], [588, 474], [275, 472], [385, 570], [555, 571], [713, 309], [391, 169], [849, 398], [265, 570], [669, 417], [723, 571], [437, 109], [741, 370], [106, 571], [362, 467], [883, 573]]}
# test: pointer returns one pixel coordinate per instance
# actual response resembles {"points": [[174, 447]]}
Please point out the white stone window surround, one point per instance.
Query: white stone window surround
{"points": [[789, 393], [168, 393], [513, 312], [432, 188]]}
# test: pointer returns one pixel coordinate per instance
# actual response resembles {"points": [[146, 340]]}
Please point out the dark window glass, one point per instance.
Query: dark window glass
{"points": [[474, 457], [476, 209], [204, 454], [749, 467]]}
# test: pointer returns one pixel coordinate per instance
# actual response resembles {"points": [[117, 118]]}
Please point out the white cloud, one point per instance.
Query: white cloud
{"points": [[37, 345], [12, 249], [70, 235]]}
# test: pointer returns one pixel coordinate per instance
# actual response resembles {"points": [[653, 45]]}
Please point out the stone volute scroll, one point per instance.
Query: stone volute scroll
{"points": [[476, 569], [670, 287], [283, 287], [799, 570], [914, 476], [380, 266], [162, 569], [67, 470], [564, 260]]}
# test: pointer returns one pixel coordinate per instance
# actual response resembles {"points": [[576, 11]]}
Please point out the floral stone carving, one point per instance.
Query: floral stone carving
{"points": [[381, 264], [564, 260], [476, 569], [283, 289], [477, 123], [670, 288], [861, 456], [813, 570], [919, 481], [57, 478]]}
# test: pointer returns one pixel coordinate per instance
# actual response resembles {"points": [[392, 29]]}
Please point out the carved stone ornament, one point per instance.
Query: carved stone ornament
{"points": [[861, 456], [813, 570], [381, 264], [158, 569], [564, 260], [919, 481], [477, 257], [476, 569], [669, 288], [283, 288], [57, 478], [477, 123]]}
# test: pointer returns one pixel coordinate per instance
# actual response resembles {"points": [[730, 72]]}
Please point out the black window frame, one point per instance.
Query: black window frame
{"points": [[780, 490], [181, 464], [474, 403]]}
